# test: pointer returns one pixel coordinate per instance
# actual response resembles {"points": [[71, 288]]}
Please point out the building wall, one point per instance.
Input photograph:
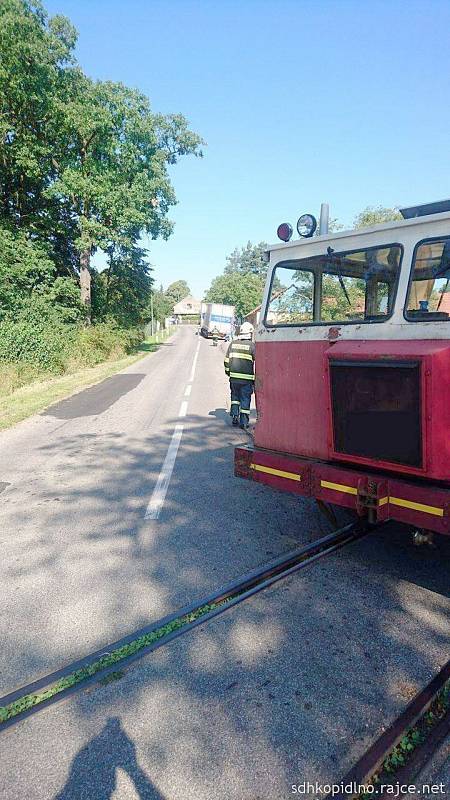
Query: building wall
{"points": [[189, 305]]}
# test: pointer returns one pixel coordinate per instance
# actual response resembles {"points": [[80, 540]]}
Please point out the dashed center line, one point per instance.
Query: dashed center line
{"points": [[194, 363], [183, 409], [158, 497]]}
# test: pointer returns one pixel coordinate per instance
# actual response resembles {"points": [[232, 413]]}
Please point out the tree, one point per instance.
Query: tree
{"points": [[333, 226], [243, 279], [35, 52], [244, 291], [376, 215], [83, 164], [162, 305], [25, 267], [248, 260], [113, 167], [122, 291], [177, 291]]}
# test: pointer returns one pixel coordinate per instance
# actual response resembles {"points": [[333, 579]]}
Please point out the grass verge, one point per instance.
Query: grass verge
{"points": [[38, 395]]}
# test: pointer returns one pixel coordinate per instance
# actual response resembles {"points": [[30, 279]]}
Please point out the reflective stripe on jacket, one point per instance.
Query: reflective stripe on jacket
{"points": [[239, 361]]}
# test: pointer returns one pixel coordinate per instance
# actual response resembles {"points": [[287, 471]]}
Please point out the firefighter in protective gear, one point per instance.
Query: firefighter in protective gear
{"points": [[239, 365]]}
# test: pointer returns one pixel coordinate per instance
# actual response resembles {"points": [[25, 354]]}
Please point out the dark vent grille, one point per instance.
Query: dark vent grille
{"points": [[376, 410]]}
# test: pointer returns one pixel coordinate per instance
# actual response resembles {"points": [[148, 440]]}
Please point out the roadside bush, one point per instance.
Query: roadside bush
{"points": [[43, 343], [38, 343], [14, 376], [25, 268], [103, 342]]}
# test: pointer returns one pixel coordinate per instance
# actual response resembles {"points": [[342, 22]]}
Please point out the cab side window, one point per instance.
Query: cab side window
{"points": [[429, 290], [292, 297], [351, 286]]}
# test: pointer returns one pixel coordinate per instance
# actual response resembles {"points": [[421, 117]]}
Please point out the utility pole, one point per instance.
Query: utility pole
{"points": [[151, 312]]}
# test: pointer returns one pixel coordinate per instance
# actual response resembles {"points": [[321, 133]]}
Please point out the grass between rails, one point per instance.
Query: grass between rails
{"points": [[28, 701], [109, 659], [412, 739], [39, 394]]}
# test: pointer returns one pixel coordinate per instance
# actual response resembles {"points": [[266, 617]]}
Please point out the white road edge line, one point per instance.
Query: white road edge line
{"points": [[156, 503]]}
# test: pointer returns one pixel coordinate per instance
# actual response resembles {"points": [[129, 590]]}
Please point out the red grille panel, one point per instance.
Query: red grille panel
{"points": [[377, 410]]}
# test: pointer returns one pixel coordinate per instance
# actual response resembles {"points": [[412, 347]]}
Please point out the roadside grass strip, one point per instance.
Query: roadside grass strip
{"points": [[28, 701], [34, 397]]}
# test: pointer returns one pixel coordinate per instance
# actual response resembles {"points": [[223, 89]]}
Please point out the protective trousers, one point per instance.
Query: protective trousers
{"points": [[241, 395]]}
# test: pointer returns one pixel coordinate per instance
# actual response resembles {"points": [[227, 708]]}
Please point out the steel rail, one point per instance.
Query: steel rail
{"points": [[364, 769], [224, 598]]}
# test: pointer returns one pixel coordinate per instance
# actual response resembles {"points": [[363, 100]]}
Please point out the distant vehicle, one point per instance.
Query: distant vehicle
{"points": [[353, 369], [219, 317]]}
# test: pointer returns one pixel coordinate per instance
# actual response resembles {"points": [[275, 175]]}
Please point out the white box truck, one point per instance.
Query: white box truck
{"points": [[217, 317]]}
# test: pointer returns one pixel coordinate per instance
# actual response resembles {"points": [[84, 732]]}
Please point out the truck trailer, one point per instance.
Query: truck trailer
{"points": [[219, 318]]}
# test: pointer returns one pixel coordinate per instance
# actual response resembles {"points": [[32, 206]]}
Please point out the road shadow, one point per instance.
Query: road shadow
{"points": [[121, 572], [289, 684], [96, 399], [151, 347], [147, 347], [221, 413], [93, 772]]}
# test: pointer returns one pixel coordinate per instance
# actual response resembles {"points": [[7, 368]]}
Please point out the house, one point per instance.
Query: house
{"points": [[187, 307], [254, 316]]}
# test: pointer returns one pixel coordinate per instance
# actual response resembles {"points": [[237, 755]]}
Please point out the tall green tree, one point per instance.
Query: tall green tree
{"points": [[83, 164], [122, 290], [113, 168], [177, 290], [376, 215], [162, 305], [248, 260], [25, 268], [34, 54]]}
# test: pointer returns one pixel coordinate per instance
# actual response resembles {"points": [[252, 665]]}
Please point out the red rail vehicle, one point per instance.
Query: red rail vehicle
{"points": [[353, 369]]}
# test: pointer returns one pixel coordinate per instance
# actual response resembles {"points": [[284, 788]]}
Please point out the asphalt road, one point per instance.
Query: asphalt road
{"points": [[81, 565], [290, 686]]}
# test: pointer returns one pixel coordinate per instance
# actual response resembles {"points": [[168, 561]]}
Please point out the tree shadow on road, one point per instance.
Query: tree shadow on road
{"points": [[93, 772], [292, 683]]}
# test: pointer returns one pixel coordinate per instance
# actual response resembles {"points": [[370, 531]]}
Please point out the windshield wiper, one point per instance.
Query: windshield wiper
{"points": [[335, 260]]}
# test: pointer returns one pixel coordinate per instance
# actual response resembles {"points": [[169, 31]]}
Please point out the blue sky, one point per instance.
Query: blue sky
{"points": [[299, 103]]}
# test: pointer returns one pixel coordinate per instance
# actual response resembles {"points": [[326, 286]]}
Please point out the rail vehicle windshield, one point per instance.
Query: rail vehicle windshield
{"points": [[353, 286], [429, 289]]}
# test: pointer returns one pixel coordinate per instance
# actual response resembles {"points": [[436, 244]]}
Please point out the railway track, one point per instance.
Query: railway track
{"points": [[397, 757], [103, 665]]}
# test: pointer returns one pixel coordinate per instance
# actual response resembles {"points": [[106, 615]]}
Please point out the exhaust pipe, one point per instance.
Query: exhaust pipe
{"points": [[324, 219]]}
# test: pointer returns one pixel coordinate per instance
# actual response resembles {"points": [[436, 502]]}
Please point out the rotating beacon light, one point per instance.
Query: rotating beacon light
{"points": [[306, 225], [284, 231]]}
